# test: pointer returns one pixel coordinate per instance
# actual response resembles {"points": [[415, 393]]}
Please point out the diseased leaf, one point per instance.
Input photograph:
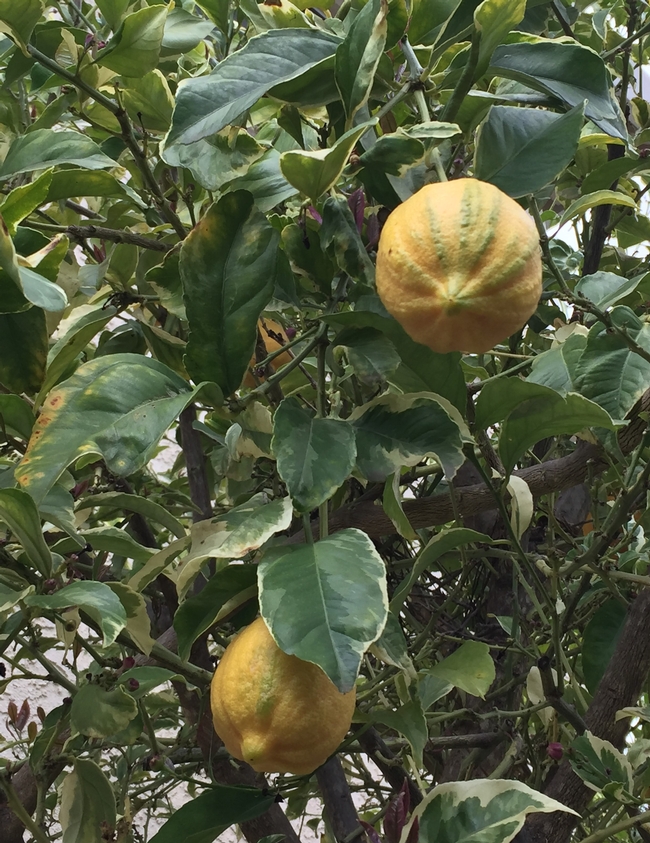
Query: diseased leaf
{"points": [[117, 407]]}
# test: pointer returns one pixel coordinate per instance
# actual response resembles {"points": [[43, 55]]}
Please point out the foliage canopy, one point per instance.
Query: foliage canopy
{"points": [[461, 536]]}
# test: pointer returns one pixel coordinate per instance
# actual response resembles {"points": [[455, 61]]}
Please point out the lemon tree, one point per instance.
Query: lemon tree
{"points": [[324, 383]]}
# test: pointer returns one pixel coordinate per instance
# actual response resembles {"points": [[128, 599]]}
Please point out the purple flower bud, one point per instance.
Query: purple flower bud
{"points": [[133, 684], [555, 751]]}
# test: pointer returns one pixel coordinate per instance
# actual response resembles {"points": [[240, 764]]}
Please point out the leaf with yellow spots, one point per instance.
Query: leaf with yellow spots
{"points": [[116, 407]]}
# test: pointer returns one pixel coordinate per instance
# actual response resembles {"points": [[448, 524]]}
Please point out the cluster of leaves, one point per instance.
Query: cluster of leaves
{"points": [[176, 177]]}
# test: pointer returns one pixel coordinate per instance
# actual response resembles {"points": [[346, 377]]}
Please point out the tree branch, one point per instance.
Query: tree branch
{"points": [[340, 811], [97, 232]]}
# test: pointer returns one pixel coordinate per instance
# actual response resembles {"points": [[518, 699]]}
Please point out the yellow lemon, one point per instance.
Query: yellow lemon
{"points": [[276, 712], [459, 266]]}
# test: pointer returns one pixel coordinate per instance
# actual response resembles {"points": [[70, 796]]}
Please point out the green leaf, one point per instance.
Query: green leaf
{"points": [[109, 539], [521, 150], [326, 602], [217, 11], [45, 148], [592, 200], [494, 19], [544, 416], [134, 50], [556, 367], [437, 546], [157, 564], [357, 58], [148, 100], [148, 678], [113, 11], [10, 598], [370, 353], [200, 612], [431, 689], [23, 350], [23, 200], [409, 720], [19, 513], [68, 347], [41, 292], [117, 406], [184, 31], [138, 623], [392, 504], [228, 267], [96, 598], [421, 369], [98, 713], [315, 456], [340, 238], [87, 813], [315, 172], [608, 372], [394, 153], [147, 507], [602, 767], [399, 430], [230, 536], [604, 176], [19, 19], [16, 415], [207, 104], [491, 810], [391, 647], [469, 668], [203, 819], [265, 181], [571, 72], [606, 288], [599, 642], [79, 182], [217, 160]]}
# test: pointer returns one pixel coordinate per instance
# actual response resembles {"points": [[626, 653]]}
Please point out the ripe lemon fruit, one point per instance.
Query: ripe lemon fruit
{"points": [[264, 326], [459, 266], [276, 712]]}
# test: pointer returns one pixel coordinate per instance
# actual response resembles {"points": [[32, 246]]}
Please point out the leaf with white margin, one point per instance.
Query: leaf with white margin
{"points": [[325, 602], [95, 598], [602, 767], [233, 534], [400, 430], [522, 505], [480, 811]]}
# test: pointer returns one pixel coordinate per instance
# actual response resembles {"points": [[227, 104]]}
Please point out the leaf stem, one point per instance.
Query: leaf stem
{"points": [[621, 825]]}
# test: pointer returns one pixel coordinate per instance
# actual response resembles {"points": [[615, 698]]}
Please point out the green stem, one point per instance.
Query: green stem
{"points": [[51, 668], [626, 42], [21, 812], [254, 394], [465, 82], [77, 81], [622, 825]]}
